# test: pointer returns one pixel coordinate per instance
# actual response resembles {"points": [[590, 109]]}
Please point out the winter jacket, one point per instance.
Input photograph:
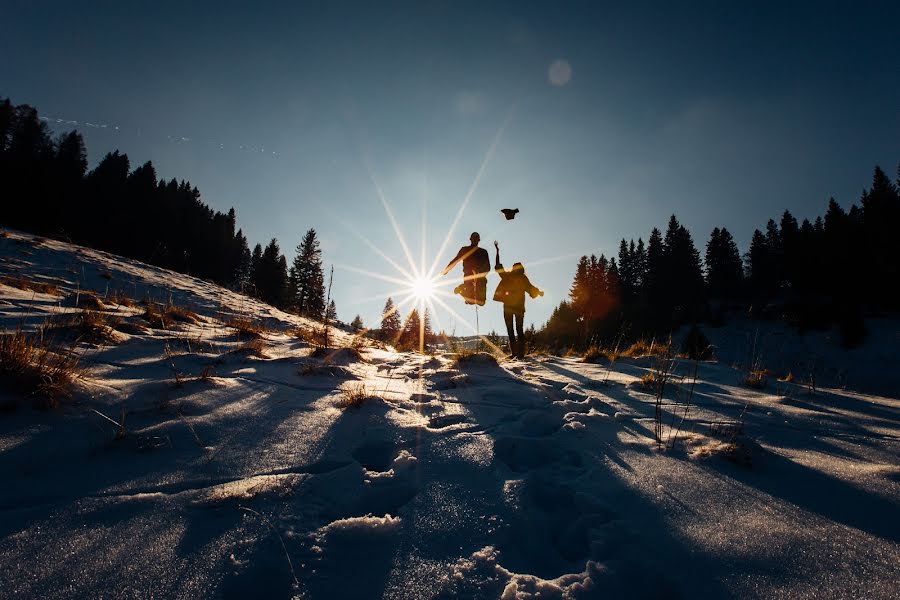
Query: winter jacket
{"points": [[512, 288]]}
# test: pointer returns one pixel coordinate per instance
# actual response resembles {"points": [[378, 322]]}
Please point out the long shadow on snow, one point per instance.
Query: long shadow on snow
{"points": [[562, 492], [820, 493]]}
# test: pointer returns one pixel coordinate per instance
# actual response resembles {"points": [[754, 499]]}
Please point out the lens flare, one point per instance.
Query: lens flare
{"points": [[423, 288]]}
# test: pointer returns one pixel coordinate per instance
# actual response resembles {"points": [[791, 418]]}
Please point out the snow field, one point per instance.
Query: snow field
{"points": [[241, 475]]}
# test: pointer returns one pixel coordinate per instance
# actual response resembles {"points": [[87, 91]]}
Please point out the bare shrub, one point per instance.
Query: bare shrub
{"points": [[696, 346], [31, 366]]}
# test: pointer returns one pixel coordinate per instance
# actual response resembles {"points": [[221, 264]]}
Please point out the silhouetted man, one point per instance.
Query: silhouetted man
{"points": [[511, 292], [476, 265]]}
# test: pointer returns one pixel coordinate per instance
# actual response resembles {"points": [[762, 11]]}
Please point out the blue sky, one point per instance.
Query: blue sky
{"points": [[723, 113]]}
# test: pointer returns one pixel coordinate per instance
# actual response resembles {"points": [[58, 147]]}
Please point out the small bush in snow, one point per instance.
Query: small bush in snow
{"points": [[696, 345], [756, 379], [354, 396], [29, 365]]}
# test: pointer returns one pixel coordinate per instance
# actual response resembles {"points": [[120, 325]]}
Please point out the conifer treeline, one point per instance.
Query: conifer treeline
{"points": [[814, 274], [47, 189]]}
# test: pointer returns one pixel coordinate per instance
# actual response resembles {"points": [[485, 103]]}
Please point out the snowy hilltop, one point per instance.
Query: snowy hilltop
{"points": [[193, 442]]}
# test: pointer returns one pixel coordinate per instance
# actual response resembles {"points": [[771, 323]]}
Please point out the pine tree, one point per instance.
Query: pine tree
{"points": [[410, 338], [724, 270], [390, 322], [271, 275], [331, 312], [308, 277], [356, 325], [255, 260]]}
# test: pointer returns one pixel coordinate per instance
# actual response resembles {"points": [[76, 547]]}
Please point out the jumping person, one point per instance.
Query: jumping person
{"points": [[476, 265], [511, 292]]}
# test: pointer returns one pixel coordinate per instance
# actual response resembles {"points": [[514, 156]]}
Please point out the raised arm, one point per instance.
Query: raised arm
{"points": [[452, 263], [497, 264]]}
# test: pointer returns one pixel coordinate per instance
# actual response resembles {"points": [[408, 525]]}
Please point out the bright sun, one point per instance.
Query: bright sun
{"points": [[423, 288]]}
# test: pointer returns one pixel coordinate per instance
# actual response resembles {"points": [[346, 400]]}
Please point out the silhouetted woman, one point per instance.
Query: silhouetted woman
{"points": [[511, 292]]}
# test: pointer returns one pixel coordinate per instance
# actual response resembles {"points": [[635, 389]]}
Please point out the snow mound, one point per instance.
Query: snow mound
{"points": [[366, 525], [476, 359]]}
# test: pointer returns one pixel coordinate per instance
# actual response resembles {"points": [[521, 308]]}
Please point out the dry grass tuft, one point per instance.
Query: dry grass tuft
{"points": [[29, 365], [646, 348], [344, 355], [28, 285], [313, 337], [255, 347], [121, 299], [246, 327], [355, 396], [163, 316], [130, 327], [756, 379], [85, 300], [596, 354], [90, 326], [472, 358]]}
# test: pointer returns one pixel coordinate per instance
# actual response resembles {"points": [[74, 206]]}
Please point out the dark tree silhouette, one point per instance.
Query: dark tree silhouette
{"points": [[307, 278]]}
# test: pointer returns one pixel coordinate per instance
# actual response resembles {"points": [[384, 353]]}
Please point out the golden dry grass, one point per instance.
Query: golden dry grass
{"points": [[646, 348], [29, 285], [756, 379], [30, 366], [354, 396], [164, 316], [254, 347], [246, 327], [596, 354], [89, 326], [472, 357]]}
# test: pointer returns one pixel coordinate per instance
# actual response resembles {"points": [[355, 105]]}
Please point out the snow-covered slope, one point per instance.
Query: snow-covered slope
{"points": [[244, 476]]}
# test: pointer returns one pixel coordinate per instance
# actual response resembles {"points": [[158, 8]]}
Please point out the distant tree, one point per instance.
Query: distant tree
{"points": [[255, 260], [654, 278], [724, 269], [331, 312], [308, 277], [271, 275], [356, 325], [242, 260], [411, 336], [390, 322]]}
